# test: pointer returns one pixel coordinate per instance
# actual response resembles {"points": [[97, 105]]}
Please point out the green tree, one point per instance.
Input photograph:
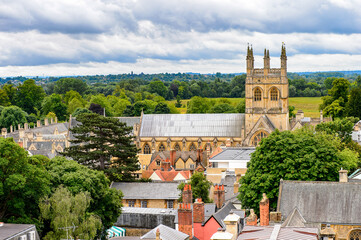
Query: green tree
{"points": [[222, 108], [79, 111], [101, 100], [353, 107], [4, 99], [178, 103], [10, 91], [22, 184], [157, 86], [67, 84], [12, 116], [162, 108], [106, 202], [54, 103], [300, 155], [241, 106], [63, 210], [104, 143], [291, 110], [200, 187], [29, 96], [340, 88], [335, 109], [198, 105], [341, 128]]}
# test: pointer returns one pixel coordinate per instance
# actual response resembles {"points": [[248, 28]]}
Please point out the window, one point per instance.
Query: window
{"points": [[274, 94], [191, 166], [258, 138], [32, 235], [177, 147], [23, 237], [161, 148], [158, 162], [144, 204], [257, 94], [146, 149], [192, 147], [355, 235], [170, 204], [131, 203]]}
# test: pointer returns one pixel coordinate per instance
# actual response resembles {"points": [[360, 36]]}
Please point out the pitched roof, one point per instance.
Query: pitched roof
{"points": [[184, 155], [322, 202], [278, 232], [166, 233], [355, 176], [129, 121], [11, 230], [148, 190], [235, 154], [222, 214], [196, 125], [295, 219]]}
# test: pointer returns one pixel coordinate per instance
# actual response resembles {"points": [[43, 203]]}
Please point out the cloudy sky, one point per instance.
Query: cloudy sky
{"points": [[87, 37]]}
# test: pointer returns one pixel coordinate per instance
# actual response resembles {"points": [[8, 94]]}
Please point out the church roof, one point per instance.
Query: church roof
{"points": [[322, 202], [195, 125]]}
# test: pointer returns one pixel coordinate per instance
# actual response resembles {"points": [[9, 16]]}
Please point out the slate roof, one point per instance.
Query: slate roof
{"points": [[223, 213], [10, 230], [184, 155], [322, 202], [166, 233], [355, 176], [228, 182], [195, 125], [234, 154], [148, 190], [130, 121], [279, 233]]}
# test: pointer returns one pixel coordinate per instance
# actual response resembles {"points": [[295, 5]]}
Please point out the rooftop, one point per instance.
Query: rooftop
{"points": [[10, 230], [234, 154]]}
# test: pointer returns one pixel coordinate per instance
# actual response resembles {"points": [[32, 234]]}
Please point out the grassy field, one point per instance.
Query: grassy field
{"points": [[309, 105]]}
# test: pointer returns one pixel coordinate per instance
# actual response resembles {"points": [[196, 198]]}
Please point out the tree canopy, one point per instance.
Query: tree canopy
{"points": [[65, 85], [299, 155], [105, 144], [200, 187], [12, 116]]}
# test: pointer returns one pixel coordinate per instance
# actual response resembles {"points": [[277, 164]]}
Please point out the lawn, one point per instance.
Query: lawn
{"points": [[309, 105]]}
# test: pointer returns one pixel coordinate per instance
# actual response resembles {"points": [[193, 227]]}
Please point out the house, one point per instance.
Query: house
{"points": [[356, 176], [356, 133], [11, 231], [167, 176], [149, 194], [322, 204]]}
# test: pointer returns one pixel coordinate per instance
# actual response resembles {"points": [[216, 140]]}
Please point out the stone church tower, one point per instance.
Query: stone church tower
{"points": [[266, 98]]}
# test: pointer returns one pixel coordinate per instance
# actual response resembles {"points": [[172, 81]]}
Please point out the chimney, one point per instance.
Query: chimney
{"points": [[157, 235], [219, 196], [185, 219], [198, 211], [166, 165], [343, 176], [235, 187], [38, 123], [187, 194], [51, 120], [251, 220], [19, 126], [299, 115], [56, 119], [275, 217], [231, 222], [11, 128], [264, 211], [199, 155], [26, 126], [172, 156], [4, 132], [46, 122]]}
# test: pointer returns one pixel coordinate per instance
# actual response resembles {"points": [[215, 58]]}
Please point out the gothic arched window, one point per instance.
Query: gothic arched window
{"points": [[146, 149], [257, 94], [161, 148], [355, 235], [274, 94], [257, 138], [177, 147], [192, 147]]}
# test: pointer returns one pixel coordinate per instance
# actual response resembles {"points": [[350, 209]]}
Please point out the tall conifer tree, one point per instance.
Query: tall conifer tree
{"points": [[105, 144]]}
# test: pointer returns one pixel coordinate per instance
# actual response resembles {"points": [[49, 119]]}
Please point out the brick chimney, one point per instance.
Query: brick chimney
{"points": [[264, 211], [26, 126], [38, 123], [51, 120], [251, 220], [172, 156], [185, 219], [11, 128], [231, 222], [187, 194], [166, 165], [235, 187], [228, 142], [343, 176], [4, 132], [46, 122], [219, 196], [198, 211], [157, 235], [199, 155], [56, 120]]}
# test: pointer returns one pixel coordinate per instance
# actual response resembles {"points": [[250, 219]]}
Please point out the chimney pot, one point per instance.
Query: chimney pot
{"points": [[264, 211], [343, 176]]}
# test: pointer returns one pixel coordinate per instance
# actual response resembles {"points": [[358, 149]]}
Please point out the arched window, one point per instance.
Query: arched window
{"points": [[192, 147], [161, 148], [257, 95], [177, 147], [355, 235], [258, 138], [146, 149], [274, 94]]}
